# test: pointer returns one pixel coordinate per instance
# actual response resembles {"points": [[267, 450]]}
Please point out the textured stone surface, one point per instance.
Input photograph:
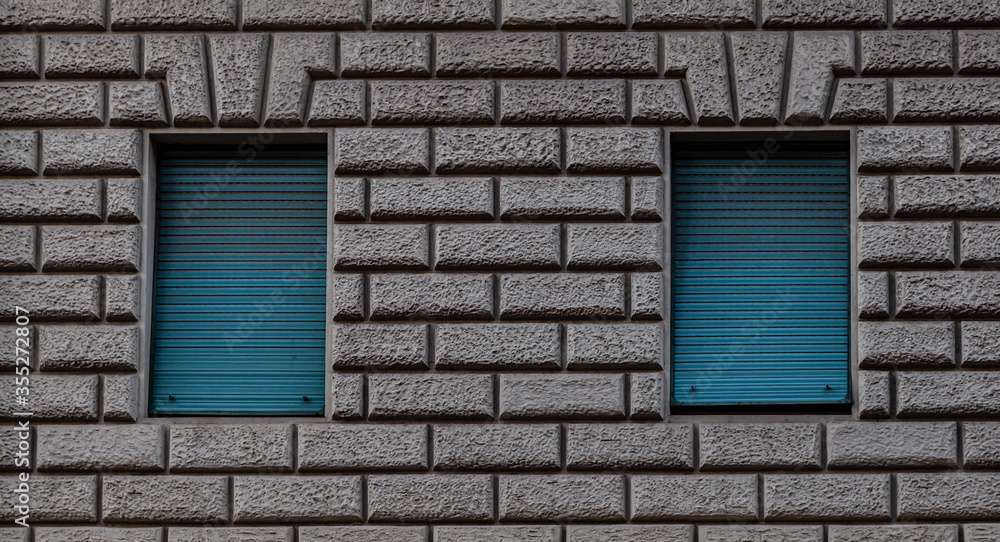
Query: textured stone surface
{"points": [[747, 533], [562, 396], [924, 394], [136, 103], [526, 533], [495, 247], [124, 200], [646, 198], [92, 55], [121, 398], [574, 497], [758, 59], [363, 533], [971, 99], [365, 150], [629, 447], [695, 55], [927, 13], [428, 498], [295, 499], [438, 14], [295, 60], [173, 14], [181, 61], [625, 533], [567, 14], [88, 152], [501, 346], [905, 149], [906, 344], [432, 102], [348, 297], [448, 198], [52, 298], [906, 244], [100, 534], [897, 52], [362, 447], [836, 13], [978, 51], [860, 101], [497, 150], [595, 295], [729, 446], [347, 396], [349, 198], [496, 447], [131, 448], [952, 495], [818, 497], [231, 534], [980, 344], [365, 247], [399, 296], [122, 298], [20, 59], [165, 499], [981, 533], [378, 346], [338, 103], [238, 62], [232, 448], [981, 445], [385, 54], [646, 396], [637, 247], [91, 248], [980, 243], [817, 57], [614, 150], [596, 53], [17, 248], [873, 197], [54, 499], [18, 152], [659, 101], [873, 395], [304, 14], [47, 15], [533, 198], [46, 104], [465, 54], [954, 293], [614, 346], [430, 396], [893, 533], [694, 497], [88, 348], [891, 445], [699, 15], [570, 101], [978, 148], [947, 196]]}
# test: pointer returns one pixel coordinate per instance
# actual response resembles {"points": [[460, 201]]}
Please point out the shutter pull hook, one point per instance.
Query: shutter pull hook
{"points": [[828, 386], [171, 397], [305, 398], [692, 388]]}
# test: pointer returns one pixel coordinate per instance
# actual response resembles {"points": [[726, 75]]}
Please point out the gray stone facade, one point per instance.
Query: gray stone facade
{"points": [[499, 184]]}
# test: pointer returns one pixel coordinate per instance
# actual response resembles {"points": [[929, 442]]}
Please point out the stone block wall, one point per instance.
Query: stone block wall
{"points": [[499, 356]]}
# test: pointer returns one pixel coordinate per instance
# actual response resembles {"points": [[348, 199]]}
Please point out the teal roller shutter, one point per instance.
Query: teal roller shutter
{"points": [[240, 281], [761, 287]]}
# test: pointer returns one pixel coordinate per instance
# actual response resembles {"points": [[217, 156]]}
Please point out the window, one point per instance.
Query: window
{"points": [[239, 292], [760, 262]]}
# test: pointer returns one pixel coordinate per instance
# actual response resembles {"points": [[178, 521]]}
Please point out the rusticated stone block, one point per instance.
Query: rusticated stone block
{"points": [[181, 60], [492, 150], [48, 104], [88, 348], [729, 446], [633, 247], [837, 13], [741, 533], [363, 533], [430, 498], [948, 495], [369, 247], [304, 14], [614, 150], [397, 55], [916, 13], [449, 14], [534, 198], [121, 398], [348, 297], [694, 497], [343, 447], [432, 102], [646, 198], [873, 395], [238, 62], [92, 56], [496, 447], [954, 293], [173, 14], [96, 534], [817, 57], [430, 396], [122, 298], [966, 196], [574, 497], [349, 198], [646, 396], [562, 396], [390, 150], [124, 200], [91, 248], [893, 533], [89, 152], [891, 445], [47, 15], [54, 499], [629, 447], [567, 14], [567, 101], [295, 60], [980, 344], [17, 248], [818, 497], [497, 54], [21, 54], [873, 197], [978, 51], [136, 103], [432, 296], [497, 346], [624, 533], [232, 448], [525, 533], [347, 396], [897, 52], [659, 101], [906, 344], [695, 55], [577, 295], [981, 445], [714, 14], [978, 147], [614, 346], [758, 61], [131, 448], [231, 534], [338, 102], [497, 246], [18, 152], [165, 499], [860, 101], [296, 499], [947, 394], [970, 99], [908, 149], [392, 346], [601, 53], [52, 297], [447, 198], [906, 244]]}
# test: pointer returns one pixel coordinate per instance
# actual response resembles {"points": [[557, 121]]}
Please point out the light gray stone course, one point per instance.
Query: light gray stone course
{"points": [[906, 344], [633, 247], [566, 14], [981, 445], [562, 396], [964, 196], [348, 297], [629, 447], [830, 13], [54, 499], [646, 198], [385, 54], [906, 244], [304, 14], [363, 247], [979, 147], [765, 446], [20, 534], [50, 103], [770, 533], [88, 348], [695, 55], [614, 150], [817, 58], [296, 59], [120, 402], [88, 152], [91, 248], [948, 495], [758, 64], [17, 248], [363, 533], [854, 445], [905, 149], [954, 293], [980, 344], [819, 497], [602, 53], [505, 447], [338, 103], [231, 448], [626, 533], [19, 152], [567, 101], [534, 198], [231, 534], [384, 150], [432, 102], [165, 499], [136, 103], [728, 497], [497, 150], [614, 346], [899, 52], [173, 14], [347, 396], [92, 56], [430, 396], [448, 14], [576, 295], [124, 200], [20, 58], [48, 15], [967, 99], [129, 448], [506, 533], [573, 497], [929, 13], [646, 396], [238, 62], [52, 298], [180, 59], [349, 198], [490, 247], [437, 296], [659, 101], [873, 395], [446, 198], [893, 533], [296, 499], [466, 498], [379, 346], [700, 15], [100, 534], [978, 52], [947, 394], [873, 197], [496, 347], [122, 298], [497, 54], [860, 101]]}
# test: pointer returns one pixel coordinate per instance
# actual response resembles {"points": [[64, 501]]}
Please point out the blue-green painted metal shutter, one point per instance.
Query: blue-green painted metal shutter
{"points": [[761, 288], [240, 281]]}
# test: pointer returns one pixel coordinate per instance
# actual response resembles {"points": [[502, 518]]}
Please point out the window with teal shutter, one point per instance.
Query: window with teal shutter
{"points": [[239, 290], [761, 273]]}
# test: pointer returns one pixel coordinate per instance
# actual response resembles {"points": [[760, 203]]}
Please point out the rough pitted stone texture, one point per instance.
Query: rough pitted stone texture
{"points": [[238, 63], [574, 497], [906, 244], [20, 534], [629, 447], [385, 54], [980, 344], [430, 497], [364, 247], [981, 445], [633, 247], [646, 198], [587, 101], [20, 58], [598, 53], [873, 395], [362, 533], [906, 344], [430, 396], [231, 448], [979, 147], [337, 103], [497, 150], [343, 447], [122, 298], [899, 52], [349, 198], [378, 346], [165, 499], [304, 14], [937, 395], [495, 247], [700, 15], [562, 396], [873, 197], [614, 346], [121, 398], [136, 103], [758, 62], [296, 499], [231, 534], [928, 13], [891, 445], [952, 495], [751, 533], [818, 497], [732, 446], [92, 56], [17, 248], [972, 99], [180, 59], [947, 196], [54, 499], [646, 396], [893, 533], [526, 533], [694, 497], [817, 57], [295, 60], [131, 448], [695, 55], [577, 295], [432, 102], [91, 248], [88, 348], [47, 104], [390, 150], [52, 298], [614, 150], [347, 396], [516, 54], [860, 101], [438, 296], [828, 13], [659, 101], [18, 152], [47, 15], [348, 297], [454, 198], [101, 534], [502, 346], [124, 200], [448, 14], [112, 152], [9, 333], [533, 198], [173, 14], [905, 149], [566, 14], [981, 533], [627, 533], [953, 293], [978, 51], [496, 447]]}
